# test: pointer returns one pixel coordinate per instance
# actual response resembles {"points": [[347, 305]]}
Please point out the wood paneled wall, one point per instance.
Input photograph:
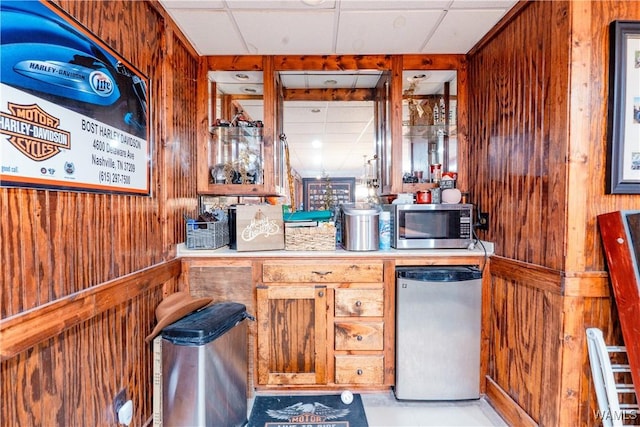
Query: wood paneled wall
{"points": [[81, 274], [538, 91]]}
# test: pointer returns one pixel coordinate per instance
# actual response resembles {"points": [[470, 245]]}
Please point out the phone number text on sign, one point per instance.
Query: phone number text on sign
{"points": [[113, 178]]}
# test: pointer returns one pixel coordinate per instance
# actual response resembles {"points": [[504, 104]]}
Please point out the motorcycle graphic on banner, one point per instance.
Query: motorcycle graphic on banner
{"points": [[73, 113]]}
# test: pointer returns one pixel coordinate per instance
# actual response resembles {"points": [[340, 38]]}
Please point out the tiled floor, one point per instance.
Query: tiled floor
{"points": [[383, 410]]}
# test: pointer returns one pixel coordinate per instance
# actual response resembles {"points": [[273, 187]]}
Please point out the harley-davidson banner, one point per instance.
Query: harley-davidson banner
{"points": [[73, 114]]}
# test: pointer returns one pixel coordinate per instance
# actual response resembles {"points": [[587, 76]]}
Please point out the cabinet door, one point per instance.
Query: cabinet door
{"points": [[292, 334]]}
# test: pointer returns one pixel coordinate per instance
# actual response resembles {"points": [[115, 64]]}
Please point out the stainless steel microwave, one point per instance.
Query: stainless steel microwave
{"points": [[431, 226]]}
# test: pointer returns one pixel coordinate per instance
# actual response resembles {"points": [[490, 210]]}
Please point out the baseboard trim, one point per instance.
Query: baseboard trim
{"points": [[508, 409]]}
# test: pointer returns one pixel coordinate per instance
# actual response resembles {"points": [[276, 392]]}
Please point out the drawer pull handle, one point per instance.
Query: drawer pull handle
{"points": [[359, 372], [358, 303], [320, 294], [359, 337], [321, 273]]}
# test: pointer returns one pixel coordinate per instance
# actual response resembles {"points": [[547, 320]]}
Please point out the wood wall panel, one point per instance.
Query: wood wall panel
{"points": [[525, 321], [61, 250], [510, 116], [589, 141], [538, 93]]}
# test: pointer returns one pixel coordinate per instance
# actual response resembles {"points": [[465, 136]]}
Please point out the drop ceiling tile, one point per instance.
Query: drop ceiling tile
{"points": [[461, 30], [343, 128], [394, 4], [192, 4], [232, 76], [385, 32], [278, 4], [293, 81], [367, 81], [286, 32], [483, 4], [303, 128], [209, 31]]}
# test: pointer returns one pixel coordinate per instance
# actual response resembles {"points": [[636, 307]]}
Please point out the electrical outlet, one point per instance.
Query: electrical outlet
{"points": [[483, 221], [119, 400]]}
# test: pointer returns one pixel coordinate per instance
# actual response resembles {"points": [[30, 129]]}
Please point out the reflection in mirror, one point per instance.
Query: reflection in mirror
{"points": [[328, 118], [429, 124], [236, 118], [238, 96]]}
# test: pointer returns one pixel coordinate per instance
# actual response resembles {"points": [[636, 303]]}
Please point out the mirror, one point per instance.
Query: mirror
{"points": [[329, 120], [429, 118], [236, 119]]}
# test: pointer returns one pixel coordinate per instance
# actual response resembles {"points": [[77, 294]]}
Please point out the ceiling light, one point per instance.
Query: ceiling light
{"points": [[316, 143], [315, 110], [399, 22], [241, 76], [331, 82], [418, 77], [250, 90]]}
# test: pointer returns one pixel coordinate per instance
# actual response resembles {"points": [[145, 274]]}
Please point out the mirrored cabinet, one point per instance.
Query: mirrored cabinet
{"points": [[429, 127], [240, 151], [415, 128]]}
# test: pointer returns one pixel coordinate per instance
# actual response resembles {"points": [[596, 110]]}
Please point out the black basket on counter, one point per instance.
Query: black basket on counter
{"points": [[207, 235]]}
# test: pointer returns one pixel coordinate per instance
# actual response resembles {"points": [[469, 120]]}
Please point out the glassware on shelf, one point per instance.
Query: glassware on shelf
{"points": [[238, 155]]}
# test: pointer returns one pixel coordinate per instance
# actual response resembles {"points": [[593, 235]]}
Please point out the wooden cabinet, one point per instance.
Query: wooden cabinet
{"points": [[359, 328], [323, 322], [291, 335]]}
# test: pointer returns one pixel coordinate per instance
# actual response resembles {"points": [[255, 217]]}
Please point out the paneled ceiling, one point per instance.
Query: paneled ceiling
{"points": [[344, 130]]}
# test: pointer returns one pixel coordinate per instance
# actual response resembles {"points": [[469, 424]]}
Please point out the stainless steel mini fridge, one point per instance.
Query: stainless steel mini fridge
{"points": [[438, 321], [204, 368]]}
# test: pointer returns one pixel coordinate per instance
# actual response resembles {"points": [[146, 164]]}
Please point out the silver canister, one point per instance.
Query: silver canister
{"points": [[360, 227]]}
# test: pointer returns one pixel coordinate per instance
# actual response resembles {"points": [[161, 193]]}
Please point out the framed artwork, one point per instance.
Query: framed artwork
{"points": [[623, 128], [327, 193], [73, 112]]}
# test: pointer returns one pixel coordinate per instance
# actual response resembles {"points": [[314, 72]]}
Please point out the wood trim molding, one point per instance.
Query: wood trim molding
{"points": [[508, 409], [532, 275], [590, 284], [24, 330]]}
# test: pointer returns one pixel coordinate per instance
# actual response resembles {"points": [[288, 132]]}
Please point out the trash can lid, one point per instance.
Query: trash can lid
{"points": [[204, 326]]}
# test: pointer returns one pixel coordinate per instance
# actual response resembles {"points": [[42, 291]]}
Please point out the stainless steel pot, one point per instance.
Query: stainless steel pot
{"points": [[360, 227]]}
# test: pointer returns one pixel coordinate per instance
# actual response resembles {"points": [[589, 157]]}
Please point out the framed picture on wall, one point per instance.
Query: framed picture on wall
{"points": [[623, 127], [327, 193], [74, 113]]}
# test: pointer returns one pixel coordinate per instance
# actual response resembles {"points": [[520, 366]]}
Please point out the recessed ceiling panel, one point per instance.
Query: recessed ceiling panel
{"points": [[385, 32], [286, 32], [482, 4], [461, 30], [209, 31], [394, 4], [281, 4], [193, 4]]}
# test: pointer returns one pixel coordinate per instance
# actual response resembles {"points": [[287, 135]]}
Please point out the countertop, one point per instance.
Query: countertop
{"points": [[480, 249]]}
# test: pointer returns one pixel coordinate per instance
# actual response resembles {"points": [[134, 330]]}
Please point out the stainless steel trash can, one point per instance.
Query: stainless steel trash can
{"points": [[204, 368]]}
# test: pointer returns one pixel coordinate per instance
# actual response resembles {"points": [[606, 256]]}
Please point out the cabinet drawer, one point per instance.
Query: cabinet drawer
{"points": [[359, 302], [359, 335], [322, 272], [359, 369]]}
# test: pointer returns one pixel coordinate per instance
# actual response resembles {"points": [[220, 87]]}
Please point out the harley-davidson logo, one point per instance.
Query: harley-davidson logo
{"points": [[33, 131], [308, 414]]}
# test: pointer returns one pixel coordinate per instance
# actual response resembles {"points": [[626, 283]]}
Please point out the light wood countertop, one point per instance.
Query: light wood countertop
{"points": [[484, 249]]}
